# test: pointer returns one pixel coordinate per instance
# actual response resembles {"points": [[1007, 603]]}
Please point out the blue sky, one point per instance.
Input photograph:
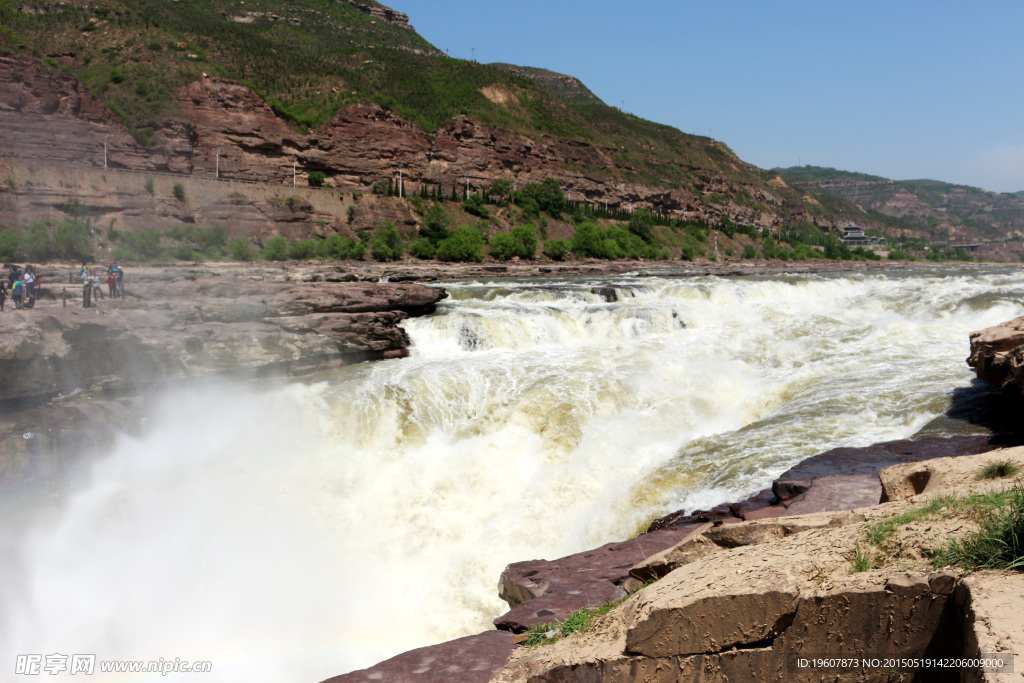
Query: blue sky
{"points": [[901, 89]]}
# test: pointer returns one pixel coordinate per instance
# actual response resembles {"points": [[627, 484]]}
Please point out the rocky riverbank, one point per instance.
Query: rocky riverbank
{"points": [[179, 323]]}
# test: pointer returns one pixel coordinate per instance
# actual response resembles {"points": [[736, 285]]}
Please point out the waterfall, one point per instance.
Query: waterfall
{"points": [[299, 530]]}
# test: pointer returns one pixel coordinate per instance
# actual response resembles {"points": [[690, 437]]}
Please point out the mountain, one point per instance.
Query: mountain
{"points": [[272, 90], [940, 210]]}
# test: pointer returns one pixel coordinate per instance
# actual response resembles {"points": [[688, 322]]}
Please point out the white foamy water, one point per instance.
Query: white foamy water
{"points": [[303, 531]]}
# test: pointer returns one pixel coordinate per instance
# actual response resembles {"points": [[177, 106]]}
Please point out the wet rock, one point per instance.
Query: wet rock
{"points": [[542, 591], [473, 659], [847, 478]]}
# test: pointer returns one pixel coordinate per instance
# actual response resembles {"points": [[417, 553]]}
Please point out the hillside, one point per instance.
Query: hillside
{"points": [[300, 78], [284, 88], [941, 211]]}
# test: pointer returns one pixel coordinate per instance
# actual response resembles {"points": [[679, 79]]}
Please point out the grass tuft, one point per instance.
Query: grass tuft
{"points": [[998, 544], [999, 469]]}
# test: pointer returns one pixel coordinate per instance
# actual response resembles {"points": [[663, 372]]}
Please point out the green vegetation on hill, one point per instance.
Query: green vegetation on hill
{"points": [[931, 207], [309, 58]]}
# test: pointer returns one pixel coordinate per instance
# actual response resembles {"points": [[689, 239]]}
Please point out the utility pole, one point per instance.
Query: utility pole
{"points": [[400, 192], [218, 162], [606, 203], [467, 185], [105, 138], [295, 160], [474, 53]]}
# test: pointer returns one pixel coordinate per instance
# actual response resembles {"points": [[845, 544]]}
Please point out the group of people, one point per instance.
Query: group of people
{"points": [[24, 286], [91, 283]]}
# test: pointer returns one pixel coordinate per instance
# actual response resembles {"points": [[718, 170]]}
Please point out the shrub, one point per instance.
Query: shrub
{"points": [[302, 249], [138, 245], [212, 236], [72, 240], [556, 249], [435, 224], [641, 224], [149, 185], [338, 248], [276, 249], [688, 253], [749, 251], [386, 243], [350, 213], [423, 248], [183, 252], [521, 242], [503, 246], [241, 250], [11, 245], [36, 240], [316, 178], [475, 205], [179, 192], [465, 244]]}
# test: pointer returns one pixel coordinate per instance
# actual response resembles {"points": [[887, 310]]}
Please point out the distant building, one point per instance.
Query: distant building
{"points": [[853, 235]]}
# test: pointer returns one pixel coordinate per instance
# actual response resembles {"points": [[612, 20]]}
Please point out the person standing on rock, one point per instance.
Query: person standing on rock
{"points": [[111, 282], [29, 280], [119, 282], [17, 290], [13, 275]]}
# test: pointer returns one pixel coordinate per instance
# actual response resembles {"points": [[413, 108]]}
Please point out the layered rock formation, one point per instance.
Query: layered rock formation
{"points": [[180, 323], [50, 118], [781, 590], [997, 353]]}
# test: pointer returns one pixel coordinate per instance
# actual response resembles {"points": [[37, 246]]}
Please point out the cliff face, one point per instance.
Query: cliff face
{"points": [[50, 118], [181, 323], [997, 353]]}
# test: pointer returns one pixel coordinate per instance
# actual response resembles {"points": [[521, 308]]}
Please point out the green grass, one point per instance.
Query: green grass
{"points": [[974, 505], [999, 469], [998, 544], [861, 561], [577, 622]]}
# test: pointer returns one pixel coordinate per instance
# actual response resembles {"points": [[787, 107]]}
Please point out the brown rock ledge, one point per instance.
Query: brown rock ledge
{"points": [[748, 612], [997, 353], [185, 322]]}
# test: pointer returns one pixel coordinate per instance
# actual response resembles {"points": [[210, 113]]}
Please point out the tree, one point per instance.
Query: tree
{"points": [[316, 178], [435, 224], [475, 204], [641, 224], [386, 244], [500, 192]]}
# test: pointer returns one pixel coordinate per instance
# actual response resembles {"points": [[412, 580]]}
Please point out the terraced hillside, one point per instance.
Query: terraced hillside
{"points": [[937, 209]]}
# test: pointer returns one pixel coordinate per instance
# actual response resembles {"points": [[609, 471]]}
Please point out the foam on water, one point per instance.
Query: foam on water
{"points": [[307, 530]]}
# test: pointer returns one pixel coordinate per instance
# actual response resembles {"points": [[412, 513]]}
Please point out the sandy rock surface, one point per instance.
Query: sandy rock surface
{"points": [[747, 612]]}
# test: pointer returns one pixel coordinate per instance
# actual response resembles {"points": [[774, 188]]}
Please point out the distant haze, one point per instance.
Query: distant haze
{"points": [[906, 91]]}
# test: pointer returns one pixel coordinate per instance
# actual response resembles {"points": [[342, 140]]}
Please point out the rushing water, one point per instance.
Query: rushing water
{"points": [[305, 530]]}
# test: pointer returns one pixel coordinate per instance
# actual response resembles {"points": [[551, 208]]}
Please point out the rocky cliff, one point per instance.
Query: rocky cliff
{"points": [[997, 354], [49, 118], [182, 323]]}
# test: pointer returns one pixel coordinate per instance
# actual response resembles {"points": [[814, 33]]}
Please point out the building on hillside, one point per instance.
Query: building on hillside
{"points": [[853, 236]]}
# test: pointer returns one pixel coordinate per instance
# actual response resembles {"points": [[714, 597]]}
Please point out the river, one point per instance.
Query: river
{"points": [[299, 530]]}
